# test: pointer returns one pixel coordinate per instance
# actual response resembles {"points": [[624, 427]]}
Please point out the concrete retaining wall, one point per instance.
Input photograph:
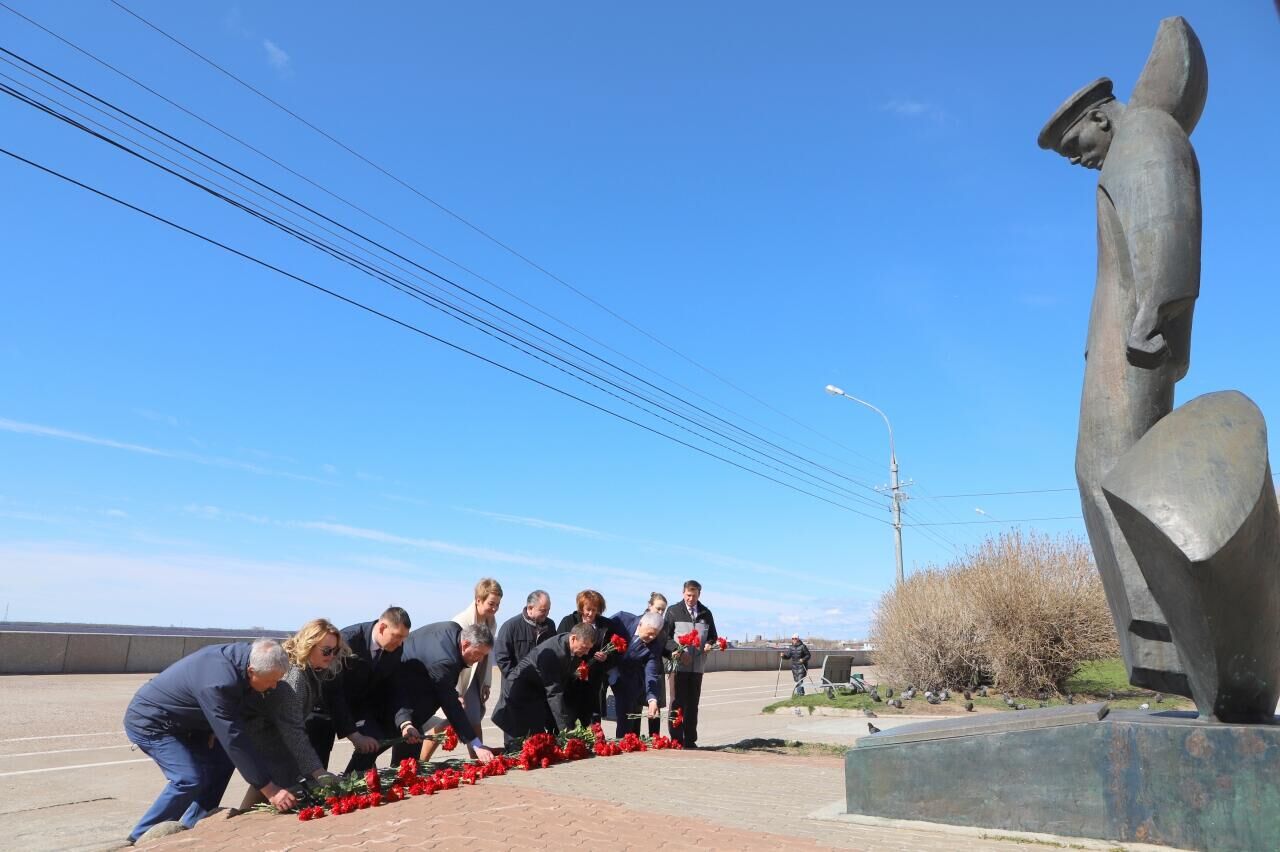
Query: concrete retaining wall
{"points": [[117, 653], [767, 659], [97, 653]]}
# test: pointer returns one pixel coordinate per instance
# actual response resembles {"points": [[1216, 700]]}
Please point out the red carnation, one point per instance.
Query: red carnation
{"points": [[584, 671], [676, 719], [372, 781], [450, 739], [723, 643], [692, 639], [619, 643]]}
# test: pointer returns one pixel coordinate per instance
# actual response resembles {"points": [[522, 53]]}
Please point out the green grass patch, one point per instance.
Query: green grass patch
{"points": [[1096, 680]]}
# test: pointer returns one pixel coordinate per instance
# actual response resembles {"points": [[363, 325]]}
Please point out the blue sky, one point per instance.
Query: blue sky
{"points": [[832, 192]]}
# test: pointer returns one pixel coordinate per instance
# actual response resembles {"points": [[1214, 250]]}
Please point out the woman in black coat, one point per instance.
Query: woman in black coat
{"points": [[586, 698]]}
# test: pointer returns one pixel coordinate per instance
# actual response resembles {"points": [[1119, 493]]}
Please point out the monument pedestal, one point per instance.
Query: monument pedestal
{"points": [[1163, 778]]}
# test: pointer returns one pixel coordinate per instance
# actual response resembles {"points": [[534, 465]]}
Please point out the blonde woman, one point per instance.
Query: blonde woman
{"points": [[277, 730], [475, 682]]}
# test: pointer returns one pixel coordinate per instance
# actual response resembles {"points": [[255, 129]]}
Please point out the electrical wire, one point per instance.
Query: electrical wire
{"points": [[388, 225], [410, 327], [382, 274]]}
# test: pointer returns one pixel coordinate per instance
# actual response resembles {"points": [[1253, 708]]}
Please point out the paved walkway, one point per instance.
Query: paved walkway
{"points": [[69, 781], [657, 800]]}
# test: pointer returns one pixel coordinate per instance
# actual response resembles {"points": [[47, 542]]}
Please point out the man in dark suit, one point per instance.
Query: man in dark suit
{"points": [[691, 660], [533, 695], [359, 705], [635, 677], [189, 719], [433, 657]]}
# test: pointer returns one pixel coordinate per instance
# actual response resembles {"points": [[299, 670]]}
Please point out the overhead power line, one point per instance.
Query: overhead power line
{"points": [[1008, 521], [997, 493], [409, 326], [382, 275], [248, 146], [478, 230]]}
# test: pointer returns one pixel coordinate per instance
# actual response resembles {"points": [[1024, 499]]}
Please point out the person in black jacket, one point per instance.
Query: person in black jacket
{"points": [[427, 681], [682, 618], [520, 635], [798, 654], [189, 719], [533, 694], [586, 698], [359, 705]]}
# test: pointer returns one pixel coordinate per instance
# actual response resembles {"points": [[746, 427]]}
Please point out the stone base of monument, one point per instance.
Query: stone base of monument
{"points": [[1161, 778]]}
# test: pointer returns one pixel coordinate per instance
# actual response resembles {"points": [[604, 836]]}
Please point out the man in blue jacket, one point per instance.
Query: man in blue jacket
{"points": [[189, 719], [635, 677]]}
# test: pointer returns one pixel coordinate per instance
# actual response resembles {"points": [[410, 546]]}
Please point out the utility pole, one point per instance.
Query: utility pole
{"points": [[896, 486], [897, 504]]}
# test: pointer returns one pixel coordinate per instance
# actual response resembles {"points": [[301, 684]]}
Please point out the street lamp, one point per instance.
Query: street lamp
{"points": [[893, 471]]}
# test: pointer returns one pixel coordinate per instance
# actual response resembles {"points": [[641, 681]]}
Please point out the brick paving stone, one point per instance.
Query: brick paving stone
{"points": [[741, 802]]}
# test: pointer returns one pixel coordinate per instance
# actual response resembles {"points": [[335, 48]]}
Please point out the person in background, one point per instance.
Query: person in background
{"points": [[359, 704], [798, 654], [474, 683], [278, 729], [189, 719], [587, 698], [691, 660]]}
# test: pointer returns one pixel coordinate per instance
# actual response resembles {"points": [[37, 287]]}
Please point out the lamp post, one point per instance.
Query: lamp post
{"points": [[893, 472]]}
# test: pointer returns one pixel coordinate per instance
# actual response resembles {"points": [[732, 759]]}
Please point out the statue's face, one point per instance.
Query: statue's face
{"points": [[1088, 140]]}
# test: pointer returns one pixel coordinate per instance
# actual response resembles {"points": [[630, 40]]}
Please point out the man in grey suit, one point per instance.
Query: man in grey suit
{"points": [[427, 681], [691, 660]]}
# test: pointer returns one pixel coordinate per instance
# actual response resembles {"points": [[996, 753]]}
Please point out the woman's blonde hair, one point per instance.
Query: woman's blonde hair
{"points": [[300, 645], [657, 596], [487, 586]]}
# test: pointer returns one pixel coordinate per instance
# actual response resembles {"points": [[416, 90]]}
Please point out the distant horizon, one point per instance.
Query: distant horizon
{"points": [[100, 627]]}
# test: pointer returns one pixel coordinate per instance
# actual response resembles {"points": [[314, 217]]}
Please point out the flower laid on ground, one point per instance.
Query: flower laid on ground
{"points": [[674, 717], [584, 670], [723, 643], [379, 787]]}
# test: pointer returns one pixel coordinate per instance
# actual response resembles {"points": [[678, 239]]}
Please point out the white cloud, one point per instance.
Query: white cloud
{"points": [[39, 431], [226, 591], [157, 417], [116, 513], [275, 55], [538, 523], [911, 108]]}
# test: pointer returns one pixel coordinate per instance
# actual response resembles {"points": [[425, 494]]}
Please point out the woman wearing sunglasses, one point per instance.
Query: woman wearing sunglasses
{"points": [[278, 733]]}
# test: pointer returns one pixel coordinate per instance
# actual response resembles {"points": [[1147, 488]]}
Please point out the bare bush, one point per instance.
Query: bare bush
{"points": [[1021, 611]]}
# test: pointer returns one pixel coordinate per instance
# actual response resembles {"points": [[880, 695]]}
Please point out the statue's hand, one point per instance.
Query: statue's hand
{"points": [[1146, 346]]}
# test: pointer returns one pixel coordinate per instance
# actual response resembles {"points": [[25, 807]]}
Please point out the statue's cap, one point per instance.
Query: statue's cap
{"points": [[1073, 109]]}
